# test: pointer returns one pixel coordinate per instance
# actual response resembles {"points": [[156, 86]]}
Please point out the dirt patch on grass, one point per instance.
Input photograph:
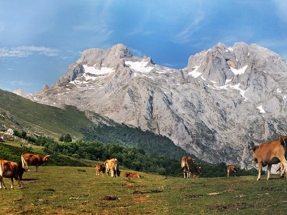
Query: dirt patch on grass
{"points": [[140, 199], [230, 207], [192, 196], [143, 192]]}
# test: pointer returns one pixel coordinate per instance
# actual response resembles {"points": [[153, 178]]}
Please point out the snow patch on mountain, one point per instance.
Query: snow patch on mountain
{"points": [[139, 66], [94, 71], [239, 71], [195, 72], [261, 110]]}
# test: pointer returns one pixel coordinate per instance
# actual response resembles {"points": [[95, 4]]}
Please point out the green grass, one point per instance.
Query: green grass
{"points": [[77, 190]]}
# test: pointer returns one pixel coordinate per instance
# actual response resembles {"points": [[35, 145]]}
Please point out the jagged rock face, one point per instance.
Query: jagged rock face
{"points": [[212, 108]]}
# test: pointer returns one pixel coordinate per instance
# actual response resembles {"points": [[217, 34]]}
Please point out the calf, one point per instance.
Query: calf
{"points": [[231, 169], [112, 167], [100, 168], [33, 159], [270, 153], [132, 175], [10, 169]]}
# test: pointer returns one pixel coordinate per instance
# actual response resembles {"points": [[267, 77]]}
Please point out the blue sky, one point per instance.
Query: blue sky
{"points": [[40, 39]]}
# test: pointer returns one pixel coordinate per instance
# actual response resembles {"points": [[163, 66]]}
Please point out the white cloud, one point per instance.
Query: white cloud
{"points": [[186, 34], [19, 83], [281, 9], [25, 51]]}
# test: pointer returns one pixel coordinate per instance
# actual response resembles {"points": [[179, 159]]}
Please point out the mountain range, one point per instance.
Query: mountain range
{"points": [[224, 97]]}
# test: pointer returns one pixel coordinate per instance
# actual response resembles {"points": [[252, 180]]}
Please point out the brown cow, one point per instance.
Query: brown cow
{"points": [[132, 175], [112, 167], [189, 168], [10, 169], [270, 153], [100, 168], [231, 168], [33, 159]]}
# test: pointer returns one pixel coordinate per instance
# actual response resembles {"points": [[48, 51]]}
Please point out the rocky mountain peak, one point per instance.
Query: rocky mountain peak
{"points": [[211, 108]]}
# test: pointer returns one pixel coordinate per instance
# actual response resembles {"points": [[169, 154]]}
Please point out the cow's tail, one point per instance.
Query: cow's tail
{"points": [[24, 164]]}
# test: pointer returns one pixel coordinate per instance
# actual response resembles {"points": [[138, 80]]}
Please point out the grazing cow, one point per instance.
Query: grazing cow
{"points": [[100, 168], [33, 159], [10, 169], [112, 167], [132, 175], [231, 168], [189, 168], [270, 153]]}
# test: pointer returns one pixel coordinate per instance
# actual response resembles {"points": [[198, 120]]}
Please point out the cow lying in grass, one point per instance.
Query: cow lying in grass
{"points": [[132, 175]]}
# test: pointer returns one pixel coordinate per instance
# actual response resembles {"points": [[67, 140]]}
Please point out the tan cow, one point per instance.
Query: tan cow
{"points": [[188, 167], [270, 153], [33, 159], [10, 169], [100, 168], [132, 175], [231, 169], [112, 167]]}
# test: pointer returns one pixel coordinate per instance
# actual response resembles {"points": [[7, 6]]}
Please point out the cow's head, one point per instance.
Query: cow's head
{"points": [[198, 169]]}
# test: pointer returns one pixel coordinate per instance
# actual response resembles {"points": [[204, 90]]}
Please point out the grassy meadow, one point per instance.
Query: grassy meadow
{"points": [[77, 190]]}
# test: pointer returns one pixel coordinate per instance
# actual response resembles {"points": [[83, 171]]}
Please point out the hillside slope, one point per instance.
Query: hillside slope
{"points": [[22, 114]]}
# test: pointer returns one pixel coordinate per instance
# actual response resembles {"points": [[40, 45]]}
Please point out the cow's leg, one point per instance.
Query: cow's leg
{"points": [[259, 170], [12, 183], [184, 173], [228, 173], [284, 163], [2, 184], [268, 171], [282, 171], [19, 181]]}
